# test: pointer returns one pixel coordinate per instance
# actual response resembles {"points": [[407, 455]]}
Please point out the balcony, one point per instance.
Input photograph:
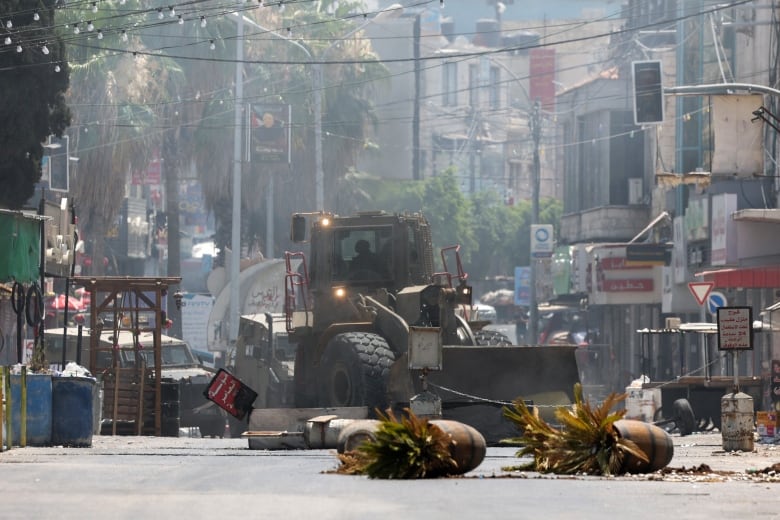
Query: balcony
{"points": [[604, 224]]}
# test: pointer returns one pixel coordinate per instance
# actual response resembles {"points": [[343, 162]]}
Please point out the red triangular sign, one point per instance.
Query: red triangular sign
{"points": [[701, 290]]}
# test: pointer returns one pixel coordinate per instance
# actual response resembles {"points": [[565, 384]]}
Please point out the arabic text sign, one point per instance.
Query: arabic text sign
{"points": [[735, 328], [230, 394]]}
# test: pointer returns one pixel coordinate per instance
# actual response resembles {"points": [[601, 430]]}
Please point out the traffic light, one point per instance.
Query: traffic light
{"points": [[648, 92]]}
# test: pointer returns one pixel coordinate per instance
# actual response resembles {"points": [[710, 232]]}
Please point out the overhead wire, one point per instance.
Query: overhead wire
{"points": [[463, 56]]}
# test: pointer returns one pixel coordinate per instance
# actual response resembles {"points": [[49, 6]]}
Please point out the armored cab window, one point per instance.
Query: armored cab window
{"points": [[362, 254]]}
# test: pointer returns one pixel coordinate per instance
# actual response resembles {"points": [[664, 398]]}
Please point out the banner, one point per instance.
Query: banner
{"points": [[270, 133]]}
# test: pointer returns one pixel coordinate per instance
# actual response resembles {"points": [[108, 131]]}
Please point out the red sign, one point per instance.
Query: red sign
{"points": [[230, 394], [542, 77]]}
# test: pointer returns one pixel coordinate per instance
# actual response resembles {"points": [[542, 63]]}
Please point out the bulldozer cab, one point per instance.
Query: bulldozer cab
{"points": [[374, 249]]}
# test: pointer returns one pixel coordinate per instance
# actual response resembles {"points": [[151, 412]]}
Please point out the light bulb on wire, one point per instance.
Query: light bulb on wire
{"points": [[18, 48], [160, 14], [124, 36], [57, 68], [90, 26], [76, 29], [171, 12], [9, 24], [8, 40], [36, 16], [94, 7], [45, 49], [212, 46], [203, 21], [100, 34], [181, 20]]}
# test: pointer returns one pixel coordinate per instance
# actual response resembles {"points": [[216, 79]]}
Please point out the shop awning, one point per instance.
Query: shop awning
{"points": [[744, 277]]}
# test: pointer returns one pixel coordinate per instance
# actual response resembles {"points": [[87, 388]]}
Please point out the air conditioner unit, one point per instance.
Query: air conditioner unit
{"points": [[634, 191]]}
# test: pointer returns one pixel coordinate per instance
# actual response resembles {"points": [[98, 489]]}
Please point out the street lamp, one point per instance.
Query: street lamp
{"points": [[534, 123], [392, 11]]}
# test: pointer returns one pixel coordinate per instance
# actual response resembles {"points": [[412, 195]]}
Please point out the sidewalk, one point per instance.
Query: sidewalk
{"points": [[696, 449]]}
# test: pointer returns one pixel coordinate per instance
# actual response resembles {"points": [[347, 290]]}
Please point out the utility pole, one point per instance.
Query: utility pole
{"points": [[535, 124]]}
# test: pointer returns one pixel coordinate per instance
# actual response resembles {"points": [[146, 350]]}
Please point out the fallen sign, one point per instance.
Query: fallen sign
{"points": [[230, 394]]}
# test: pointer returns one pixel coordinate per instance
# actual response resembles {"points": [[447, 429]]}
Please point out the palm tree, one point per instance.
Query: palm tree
{"points": [[346, 111], [109, 97]]}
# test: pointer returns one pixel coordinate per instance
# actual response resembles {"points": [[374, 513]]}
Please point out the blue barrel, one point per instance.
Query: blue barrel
{"points": [[38, 409], [72, 418]]}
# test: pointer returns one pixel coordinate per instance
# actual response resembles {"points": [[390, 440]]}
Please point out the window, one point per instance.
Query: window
{"points": [[450, 84], [474, 85], [359, 250], [495, 88]]}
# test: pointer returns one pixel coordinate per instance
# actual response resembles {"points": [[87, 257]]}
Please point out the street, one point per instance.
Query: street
{"points": [[148, 477]]}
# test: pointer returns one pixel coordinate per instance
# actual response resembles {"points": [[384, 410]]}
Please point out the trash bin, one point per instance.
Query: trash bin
{"points": [[169, 408], [72, 404], [38, 409]]}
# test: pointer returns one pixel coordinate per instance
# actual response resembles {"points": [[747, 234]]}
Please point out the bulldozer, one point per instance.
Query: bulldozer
{"points": [[368, 291]]}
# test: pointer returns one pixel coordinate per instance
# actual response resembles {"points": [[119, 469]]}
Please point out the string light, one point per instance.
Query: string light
{"points": [[181, 20], [8, 40], [281, 6], [124, 35], [289, 31], [212, 46], [9, 24], [100, 34], [171, 12], [76, 29], [36, 16], [18, 48], [56, 68], [203, 21], [45, 49], [94, 7], [160, 14], [90, 27]]}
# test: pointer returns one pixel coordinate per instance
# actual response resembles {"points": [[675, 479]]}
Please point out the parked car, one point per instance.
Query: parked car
{"points": [[179, 363]]}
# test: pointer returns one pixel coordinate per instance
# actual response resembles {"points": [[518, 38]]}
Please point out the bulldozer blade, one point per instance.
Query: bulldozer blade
{"points": [[476, 382]]}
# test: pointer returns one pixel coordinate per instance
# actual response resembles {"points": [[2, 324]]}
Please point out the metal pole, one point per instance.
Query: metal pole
{"points": [[23, 408], [319, 173], [269, 218], [235, 239], [536, 133]]}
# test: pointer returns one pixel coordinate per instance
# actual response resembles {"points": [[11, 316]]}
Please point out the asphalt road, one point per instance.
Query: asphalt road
{"points": [[147, 477]]}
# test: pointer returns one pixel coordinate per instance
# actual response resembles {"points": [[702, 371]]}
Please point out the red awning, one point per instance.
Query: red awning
{"points": [[767, 277]]}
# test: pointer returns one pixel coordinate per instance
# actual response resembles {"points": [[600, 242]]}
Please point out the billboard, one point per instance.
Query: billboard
{"points": [[270, 133]]}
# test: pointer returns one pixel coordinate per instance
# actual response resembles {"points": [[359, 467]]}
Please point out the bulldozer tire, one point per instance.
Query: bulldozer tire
{"points": [[491, 337], [354, 371]]}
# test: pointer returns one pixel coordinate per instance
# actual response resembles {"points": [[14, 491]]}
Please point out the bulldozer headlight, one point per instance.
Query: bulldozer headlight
{"points": [[339, 292]]}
